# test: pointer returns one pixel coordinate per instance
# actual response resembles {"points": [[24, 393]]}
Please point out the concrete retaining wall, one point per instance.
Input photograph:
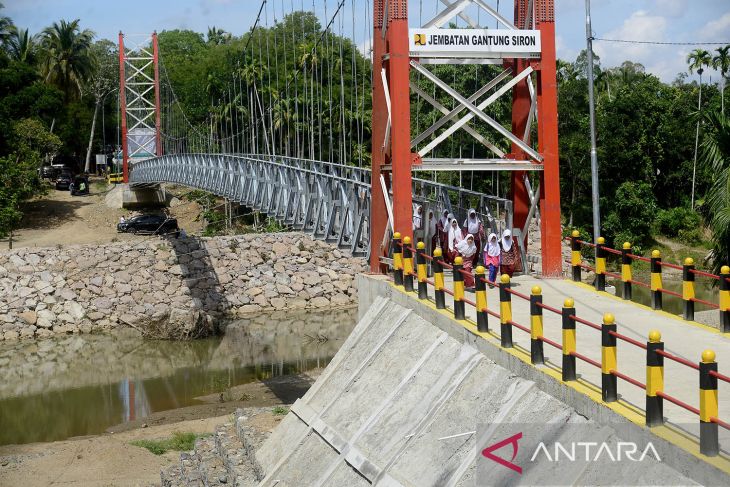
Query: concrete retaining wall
{"points": [[401, 402]]}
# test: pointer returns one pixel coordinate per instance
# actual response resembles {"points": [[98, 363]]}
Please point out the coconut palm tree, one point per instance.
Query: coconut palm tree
{"points": [[698, 60], [721, 63], [5, 26], [716, 158], [21, 46], [67, 59]]}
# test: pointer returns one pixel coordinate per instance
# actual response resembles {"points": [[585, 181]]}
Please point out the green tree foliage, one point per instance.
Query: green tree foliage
{"points": [[631, 214], [21, 46], [18, 170], [715, 157], [67, 59], [680, 222]]}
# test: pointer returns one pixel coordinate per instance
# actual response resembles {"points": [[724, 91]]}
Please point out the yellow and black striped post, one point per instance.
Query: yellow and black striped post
{"points": [[421, 270], [600, 265], [725, 299], [654, 380], [407, 264], [537, 354], [626, 276], [568, 340], [397, 260], [575, 255], [505, 311], [688, 288], [656, 279], [608, 359], [459, 309], [709, 442], [480, 291], [438, 279]]}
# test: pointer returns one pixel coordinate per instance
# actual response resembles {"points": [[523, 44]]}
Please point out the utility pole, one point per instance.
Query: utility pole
{"points": [[592, 108]]}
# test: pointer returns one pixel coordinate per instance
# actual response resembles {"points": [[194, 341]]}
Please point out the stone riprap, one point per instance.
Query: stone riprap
{"points": [[169, 288]]}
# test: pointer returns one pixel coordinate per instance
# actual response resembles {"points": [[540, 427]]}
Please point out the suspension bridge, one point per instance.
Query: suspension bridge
{"points": [[316, 135], [342, 145]]}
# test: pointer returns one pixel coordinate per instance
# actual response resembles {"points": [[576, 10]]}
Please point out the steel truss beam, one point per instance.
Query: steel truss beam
{"points": [[327, 200]]}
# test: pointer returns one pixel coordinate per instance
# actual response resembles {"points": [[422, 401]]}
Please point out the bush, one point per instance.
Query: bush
{"points": [[630, 219], [680, 222], [178, 442]]}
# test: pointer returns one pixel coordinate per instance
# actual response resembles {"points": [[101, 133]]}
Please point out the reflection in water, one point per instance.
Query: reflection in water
{"points": [[671, 304], [79, 385]]}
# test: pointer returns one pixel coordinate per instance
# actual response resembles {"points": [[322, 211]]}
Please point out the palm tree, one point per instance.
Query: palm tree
{"points": [[697, 60], [5, 26], [21, 46], [218, 36], [716, 158], [67, 59], [721, 63]]}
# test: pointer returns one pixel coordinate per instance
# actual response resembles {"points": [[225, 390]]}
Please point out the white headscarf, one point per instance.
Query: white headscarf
{"points": [[431, 224], [492, 249], [465, 248], [445, 220], [417, 217], [472, 223], [507, 242], [454, 233]]}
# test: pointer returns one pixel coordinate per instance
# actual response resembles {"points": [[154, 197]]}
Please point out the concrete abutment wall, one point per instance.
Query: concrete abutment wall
{"points": [[402, 401]]}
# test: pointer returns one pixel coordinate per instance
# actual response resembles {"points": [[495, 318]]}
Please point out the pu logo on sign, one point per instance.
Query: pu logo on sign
{"points": [[419, 39], [487, 452]]}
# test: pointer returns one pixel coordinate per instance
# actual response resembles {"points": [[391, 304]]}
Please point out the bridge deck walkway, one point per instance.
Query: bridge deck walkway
{"points": [[681, 338]]}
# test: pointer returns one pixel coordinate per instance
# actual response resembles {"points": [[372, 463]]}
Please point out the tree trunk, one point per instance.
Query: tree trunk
{"points": [[87, 166]]}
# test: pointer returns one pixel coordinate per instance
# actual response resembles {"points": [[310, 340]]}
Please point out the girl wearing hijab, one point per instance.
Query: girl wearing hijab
{"points": [[467, 250], [508, 257], [455, 236], [443, 229], [492, 252], [473, 225], [418, 222]]}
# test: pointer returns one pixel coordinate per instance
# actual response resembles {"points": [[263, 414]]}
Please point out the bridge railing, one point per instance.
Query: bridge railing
{"points": [[411, 263], [329, 200], [656, 283]]}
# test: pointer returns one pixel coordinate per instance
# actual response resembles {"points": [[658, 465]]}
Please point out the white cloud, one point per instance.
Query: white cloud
{"points": [[640, 26], [563, 51], [717, 30]]}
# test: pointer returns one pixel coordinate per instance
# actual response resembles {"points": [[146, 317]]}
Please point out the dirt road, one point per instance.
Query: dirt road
{"points": [[58, 218]]}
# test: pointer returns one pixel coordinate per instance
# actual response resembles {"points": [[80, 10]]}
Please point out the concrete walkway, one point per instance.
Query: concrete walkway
{"points": [[681, 338]]}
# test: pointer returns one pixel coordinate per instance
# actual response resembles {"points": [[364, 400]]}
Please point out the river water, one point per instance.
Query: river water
{"points": [[82, 384], [704, 289]]}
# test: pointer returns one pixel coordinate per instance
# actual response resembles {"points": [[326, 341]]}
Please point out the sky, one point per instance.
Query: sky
{"points": [[643, 20]]}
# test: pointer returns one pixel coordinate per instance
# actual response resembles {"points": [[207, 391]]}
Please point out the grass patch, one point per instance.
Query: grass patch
{"points": [[280, 411], [178, 442]]}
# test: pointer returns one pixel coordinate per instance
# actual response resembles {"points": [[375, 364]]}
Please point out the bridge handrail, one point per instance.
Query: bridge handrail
{"points": [[410, 263], [689, 274]]}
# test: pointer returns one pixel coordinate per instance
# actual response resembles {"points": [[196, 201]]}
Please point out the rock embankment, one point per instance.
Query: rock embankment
{"points": [[168, 288]]}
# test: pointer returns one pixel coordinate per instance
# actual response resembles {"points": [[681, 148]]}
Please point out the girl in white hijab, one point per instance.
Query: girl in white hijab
{"points": [[417, 217], [473, 225], [492, 252], [508, 257], [443, 229], [467, 250], [455, 236]]}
